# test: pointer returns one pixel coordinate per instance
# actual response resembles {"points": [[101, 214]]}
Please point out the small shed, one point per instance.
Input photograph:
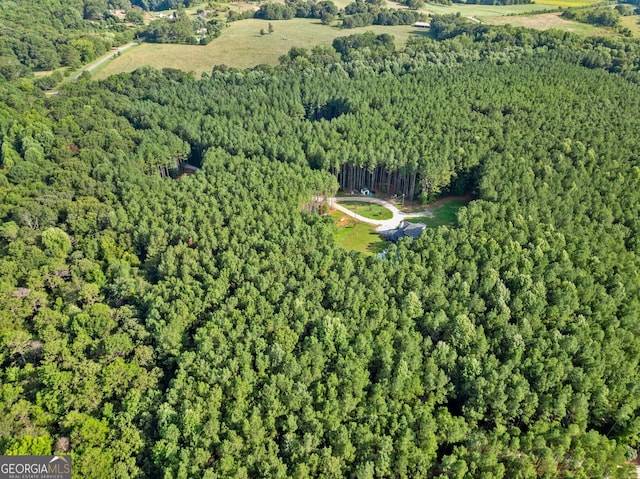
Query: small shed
{"points": [[422, 25]]}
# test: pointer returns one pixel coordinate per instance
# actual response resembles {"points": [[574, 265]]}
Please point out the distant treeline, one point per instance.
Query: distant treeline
{"points": [[154, 5], [180, 28], [371, 12], [615, 54], [358, 14], [603, 17], [325, 10]]}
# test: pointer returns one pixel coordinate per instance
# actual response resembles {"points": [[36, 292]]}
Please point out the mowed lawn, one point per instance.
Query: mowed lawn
{"points": [[368, 210], [356, 236], [445, 212], [241, 46]]}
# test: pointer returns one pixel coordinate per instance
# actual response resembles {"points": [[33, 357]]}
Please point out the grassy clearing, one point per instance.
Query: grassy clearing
{"points": [[546, 21], [242, 46], [413, 206], [444, 211], [631, 22], [42, 73], [356, 236], [368, 210]]}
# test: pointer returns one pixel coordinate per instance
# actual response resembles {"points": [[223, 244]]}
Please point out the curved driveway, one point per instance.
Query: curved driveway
{"points": [[382, 225]]}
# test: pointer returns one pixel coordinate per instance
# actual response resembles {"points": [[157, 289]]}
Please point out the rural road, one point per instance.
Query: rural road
{"points": [[382, 225], [101, 60]]}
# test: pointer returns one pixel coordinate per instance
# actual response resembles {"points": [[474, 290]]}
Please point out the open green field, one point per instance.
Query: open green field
{"points": [[631, 22], [356, 236], [368, 210], [546, 21], [242, 46], [482, 10], [567, 3], [535, 15], [444, 211]]}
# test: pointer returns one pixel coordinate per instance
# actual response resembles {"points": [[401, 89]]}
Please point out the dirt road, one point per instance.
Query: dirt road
{"points": [[102, 59], [382, 225]]}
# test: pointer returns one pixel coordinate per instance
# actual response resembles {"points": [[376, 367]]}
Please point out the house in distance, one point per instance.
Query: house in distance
{"points": [[405, 230]]}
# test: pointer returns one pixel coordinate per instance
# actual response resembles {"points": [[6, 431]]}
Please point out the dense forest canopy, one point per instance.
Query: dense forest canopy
{"points": [[47, 34], [208, 326]]}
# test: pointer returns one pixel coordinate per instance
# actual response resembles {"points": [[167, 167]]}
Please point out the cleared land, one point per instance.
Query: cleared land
{"points": [[444, 211], [483, 10], [535, 15], [567, 3], [242, 46], [546, 21], [368, 210], [631, 23], [356, 236], [353, 235]]}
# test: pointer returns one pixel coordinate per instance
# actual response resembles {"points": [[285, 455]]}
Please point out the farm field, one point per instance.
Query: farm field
{"points": [[567, 3], [546, 21], [483, 10], [535, 15], [356, 236], [242, 46], [368, 210]]}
